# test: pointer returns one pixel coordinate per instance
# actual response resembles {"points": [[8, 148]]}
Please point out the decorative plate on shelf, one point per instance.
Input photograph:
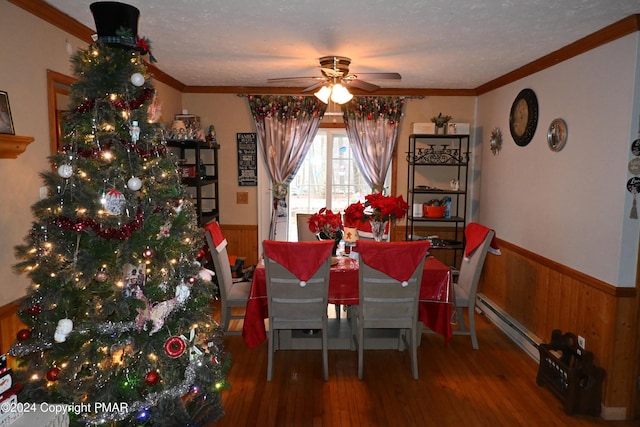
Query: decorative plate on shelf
{"points": [[523, 118]]}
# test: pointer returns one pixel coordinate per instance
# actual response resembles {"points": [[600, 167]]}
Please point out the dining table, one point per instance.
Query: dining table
{"points": [[435, 306]]}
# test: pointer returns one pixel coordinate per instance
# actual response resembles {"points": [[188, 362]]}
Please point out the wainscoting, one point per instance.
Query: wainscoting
{"points": [[542, 295], [242, 240], [9, 327]]}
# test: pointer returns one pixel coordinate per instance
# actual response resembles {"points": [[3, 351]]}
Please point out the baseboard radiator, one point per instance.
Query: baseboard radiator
{"points": [[514, 330]]}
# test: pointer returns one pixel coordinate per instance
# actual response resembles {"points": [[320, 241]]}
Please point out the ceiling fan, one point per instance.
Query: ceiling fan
{"points": [[336, 77]]}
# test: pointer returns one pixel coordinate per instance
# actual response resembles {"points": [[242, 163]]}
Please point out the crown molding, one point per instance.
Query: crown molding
{"points": [[612, 32], [606, 35]]}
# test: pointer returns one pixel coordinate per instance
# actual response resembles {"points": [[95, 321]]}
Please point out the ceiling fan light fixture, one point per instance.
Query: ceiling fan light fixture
{"points": [[323, 94], [340, 94]]}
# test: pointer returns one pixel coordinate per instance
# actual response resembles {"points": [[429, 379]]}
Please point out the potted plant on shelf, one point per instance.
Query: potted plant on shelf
{"points": [[378, 209], [435, 208], [441, 123]]}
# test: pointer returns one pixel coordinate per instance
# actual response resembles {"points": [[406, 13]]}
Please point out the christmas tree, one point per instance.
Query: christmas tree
{"points": [[119, 309]]}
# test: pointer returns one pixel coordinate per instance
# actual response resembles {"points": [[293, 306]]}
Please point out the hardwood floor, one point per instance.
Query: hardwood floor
{"points": [[492, 386]]}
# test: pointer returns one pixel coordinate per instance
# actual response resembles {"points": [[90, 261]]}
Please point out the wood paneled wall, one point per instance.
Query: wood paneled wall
{"points": [[543, 295], [9, 327], [242, 241]]}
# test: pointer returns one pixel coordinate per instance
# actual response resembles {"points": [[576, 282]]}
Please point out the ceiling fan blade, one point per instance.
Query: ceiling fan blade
{"points": [[313, 86], [286, 79], [380, 76], [361, 84]]}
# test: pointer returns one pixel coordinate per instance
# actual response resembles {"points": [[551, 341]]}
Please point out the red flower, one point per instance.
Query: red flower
{"points": [[325, 221], [355, 213], [377, 207]]}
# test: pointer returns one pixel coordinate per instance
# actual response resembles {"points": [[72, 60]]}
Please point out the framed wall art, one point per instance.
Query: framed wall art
{"points": [[6, 122]]}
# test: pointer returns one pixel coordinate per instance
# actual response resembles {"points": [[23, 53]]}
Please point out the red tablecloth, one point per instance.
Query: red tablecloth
{"points": [[434, 308]]}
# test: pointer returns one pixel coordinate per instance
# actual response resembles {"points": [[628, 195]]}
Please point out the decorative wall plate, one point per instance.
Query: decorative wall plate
{"points": [[635, 147], [523, 118], [496, 140], [557, 134]]}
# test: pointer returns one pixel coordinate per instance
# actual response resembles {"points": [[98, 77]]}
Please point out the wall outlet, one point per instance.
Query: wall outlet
{"points": [[581, 341], [43, 192]]}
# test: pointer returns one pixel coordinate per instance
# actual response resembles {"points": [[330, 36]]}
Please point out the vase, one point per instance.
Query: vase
{"points": [[377, 229], [336, 240]]}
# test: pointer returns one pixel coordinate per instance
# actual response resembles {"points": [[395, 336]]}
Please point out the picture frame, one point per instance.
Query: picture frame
{"points": [[6, 122]]}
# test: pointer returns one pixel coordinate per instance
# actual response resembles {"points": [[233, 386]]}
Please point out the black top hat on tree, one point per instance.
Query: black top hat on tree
{"points": [[117, 25]]}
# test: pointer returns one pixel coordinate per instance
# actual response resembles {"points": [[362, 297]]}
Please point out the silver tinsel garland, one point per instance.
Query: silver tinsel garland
{"points": [[19, 349], [152, 399]]}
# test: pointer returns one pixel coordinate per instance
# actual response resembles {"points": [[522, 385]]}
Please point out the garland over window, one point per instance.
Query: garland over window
{"points": [[374, 107]]}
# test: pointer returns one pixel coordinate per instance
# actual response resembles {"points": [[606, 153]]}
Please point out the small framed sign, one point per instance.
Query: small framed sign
{"points": [[6, 122], [247, 159]]}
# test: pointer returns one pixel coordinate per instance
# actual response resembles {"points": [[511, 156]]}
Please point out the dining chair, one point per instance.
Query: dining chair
{"points": [[390, 275], [297, 276], [233, 294], [466, 287], [304, 234]]}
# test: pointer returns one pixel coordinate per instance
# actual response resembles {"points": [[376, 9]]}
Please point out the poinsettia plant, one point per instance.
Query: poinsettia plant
{"points": [[326, 223], [377, 207]]}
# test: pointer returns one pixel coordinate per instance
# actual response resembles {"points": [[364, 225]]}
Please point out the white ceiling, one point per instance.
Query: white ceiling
{"points": [[453, 44]]}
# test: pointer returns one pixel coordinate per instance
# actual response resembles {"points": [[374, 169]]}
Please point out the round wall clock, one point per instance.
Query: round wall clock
{"points": [[523, 118], [557, 134]]}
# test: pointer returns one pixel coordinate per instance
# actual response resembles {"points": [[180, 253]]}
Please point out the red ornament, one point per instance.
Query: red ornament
{"points": [[152, 378], [148, 253], [34, 310], [24, 334], [175, 346], [191, 280], [53, 374]]}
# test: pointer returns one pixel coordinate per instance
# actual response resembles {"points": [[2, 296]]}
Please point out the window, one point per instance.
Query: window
{"points": [[329, 165]]}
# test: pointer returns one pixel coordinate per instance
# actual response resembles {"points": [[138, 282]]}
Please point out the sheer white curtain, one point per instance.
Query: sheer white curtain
{"points": [[286, 126], [372, 125]]}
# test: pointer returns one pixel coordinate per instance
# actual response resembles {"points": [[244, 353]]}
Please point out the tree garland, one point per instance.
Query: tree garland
{"points": [[145, 95], [109, 233]]}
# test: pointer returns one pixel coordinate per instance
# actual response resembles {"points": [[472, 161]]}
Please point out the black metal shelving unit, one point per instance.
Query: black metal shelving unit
{"points": [[426, 153], [201, 176]]}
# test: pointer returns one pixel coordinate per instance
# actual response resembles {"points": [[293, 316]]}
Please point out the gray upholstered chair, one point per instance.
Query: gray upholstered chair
{"points": [[296, 303], [304, 234], [466, 287], [233, 294], [387, 302]]}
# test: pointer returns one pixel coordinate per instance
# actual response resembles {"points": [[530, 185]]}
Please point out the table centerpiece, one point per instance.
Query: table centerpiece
{"points": [[327, 225], [378, 209]]}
